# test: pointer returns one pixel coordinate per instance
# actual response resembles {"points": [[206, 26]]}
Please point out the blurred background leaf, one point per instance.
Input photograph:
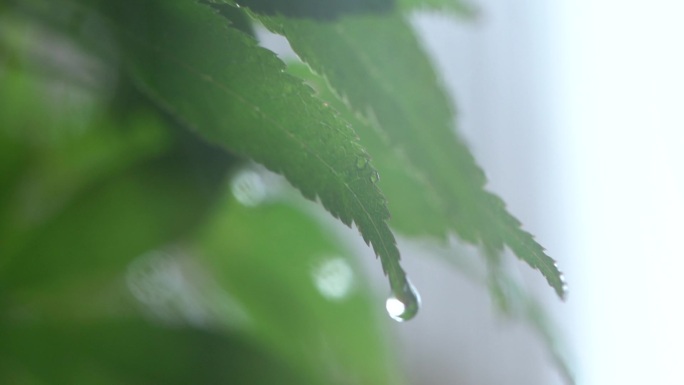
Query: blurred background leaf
{"points": [[306, 300], [132, 351]]}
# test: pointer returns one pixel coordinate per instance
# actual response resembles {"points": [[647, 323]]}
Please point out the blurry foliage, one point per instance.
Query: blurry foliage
{"points": [[138, 245]]}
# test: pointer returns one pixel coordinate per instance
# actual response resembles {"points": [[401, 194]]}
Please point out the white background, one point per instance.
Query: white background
{"points": [[576, 111]]}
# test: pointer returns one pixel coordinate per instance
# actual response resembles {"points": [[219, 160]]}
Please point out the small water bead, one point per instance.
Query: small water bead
{"points": [[564, 287], [374, 177], [361, 162], [564, 284], [403, 304]]}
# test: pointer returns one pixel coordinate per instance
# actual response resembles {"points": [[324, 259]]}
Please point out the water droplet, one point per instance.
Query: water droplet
{"points": [[248, 188], [361, 162], [374, 177], [334, 278], [564, 287], [404, 303]]}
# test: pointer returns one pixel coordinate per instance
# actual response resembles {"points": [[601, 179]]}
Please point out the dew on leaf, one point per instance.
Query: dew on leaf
{"points": [[564, 284], [361, 162], [404, 303], [374, 177], [564, 287]]}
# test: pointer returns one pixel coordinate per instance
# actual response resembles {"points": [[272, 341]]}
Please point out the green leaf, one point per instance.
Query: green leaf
{"points": [[111, 222], [457, 7], [317, 9], [250, 276], [128, 350], [376, 64], [92, 189], [334, 9], [413, 211], [234, 93], [57, 138], [308, 301]]}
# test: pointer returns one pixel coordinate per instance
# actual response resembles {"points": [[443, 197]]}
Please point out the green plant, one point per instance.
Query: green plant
{"points": [[121, 239]]}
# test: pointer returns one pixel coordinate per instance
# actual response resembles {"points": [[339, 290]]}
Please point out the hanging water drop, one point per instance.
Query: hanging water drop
{"points": [[404, 303]]}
